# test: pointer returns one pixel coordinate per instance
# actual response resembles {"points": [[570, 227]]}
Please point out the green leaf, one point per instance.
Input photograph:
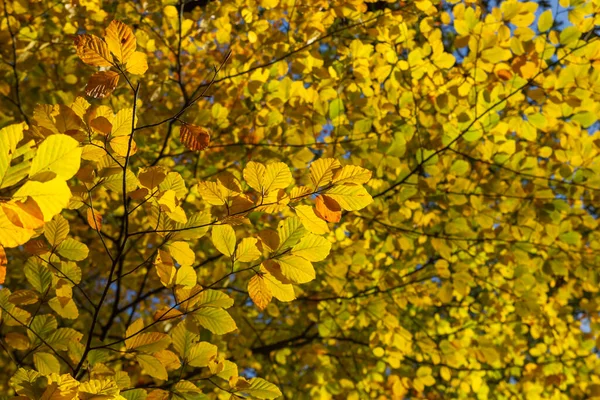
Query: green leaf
{"points": [[214, 298], [51, 196], [261, 389], [56, 231], [45, 363], [200, 354], [296, 269], [38, 275], [350, 198], [216, 320], [336, 108], [545, 21], [73, 250]]}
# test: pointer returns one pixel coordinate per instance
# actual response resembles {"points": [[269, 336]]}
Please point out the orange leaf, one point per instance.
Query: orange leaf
{"points": [[102, 84], [3, 262], [94, 219], [194, 137], [328, 209], [259, 291]]}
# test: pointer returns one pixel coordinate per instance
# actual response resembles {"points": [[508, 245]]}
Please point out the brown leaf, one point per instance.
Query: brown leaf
{"points": [[151, 177], [102, 84], [101, 124], [194, 137]]}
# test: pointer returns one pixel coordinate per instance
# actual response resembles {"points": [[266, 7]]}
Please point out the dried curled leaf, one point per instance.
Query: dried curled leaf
{"points": [[102, 84], [194, 137]]}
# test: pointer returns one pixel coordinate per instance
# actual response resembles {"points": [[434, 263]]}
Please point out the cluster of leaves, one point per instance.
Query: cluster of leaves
{"points": [[332, 199]]}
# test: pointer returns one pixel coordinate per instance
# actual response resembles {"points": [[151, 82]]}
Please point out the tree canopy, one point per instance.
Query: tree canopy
{"points": [[341, 199]]}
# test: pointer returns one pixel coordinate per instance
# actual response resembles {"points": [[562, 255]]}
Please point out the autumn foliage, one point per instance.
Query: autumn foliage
{"points": [[302, 200]]}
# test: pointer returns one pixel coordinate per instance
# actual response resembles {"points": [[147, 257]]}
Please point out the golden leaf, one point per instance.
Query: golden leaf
{"points": [[259, 291], [93, 51], [120, 40]]}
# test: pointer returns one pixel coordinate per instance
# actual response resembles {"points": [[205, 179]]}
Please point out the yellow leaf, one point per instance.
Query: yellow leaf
{"points": [[152, 366], [165, 268], [214, 298], [254, 175], [168, 359], [296, 269], [106, 388], [182, 253], [312, 247], [200, 354], [247, 251], [122, 123], [216, 320], [51, 197], [120, 40], [310, 220], [261, 389], [277, 176], [350, 197], [169, 203], [321, 171], [137, 64], [186, 276], [545, 21], [194, 137], [148, 342], [281, 291], [259, 291], [11, 235], [93, 51], [223, 238], [351, 174], [102, 84], [212, 192], [58, 156], [10, 136], [17, 341], [135, 327]]}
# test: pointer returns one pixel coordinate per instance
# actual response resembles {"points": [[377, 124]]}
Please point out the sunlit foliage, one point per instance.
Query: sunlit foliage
{"points": [[340, 199]]}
